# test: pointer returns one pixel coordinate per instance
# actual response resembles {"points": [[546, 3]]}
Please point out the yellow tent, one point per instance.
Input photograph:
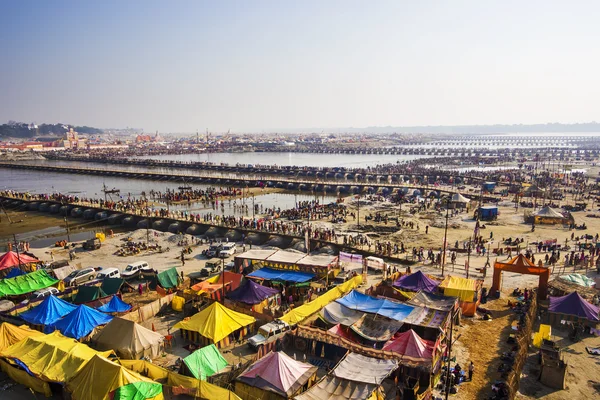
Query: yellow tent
{"points": [[100, 377], [53, 357], [462, 288], [11, 334], [216, 322]]}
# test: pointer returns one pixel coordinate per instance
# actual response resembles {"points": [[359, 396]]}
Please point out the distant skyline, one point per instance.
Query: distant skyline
{"points": [[282, 65]]}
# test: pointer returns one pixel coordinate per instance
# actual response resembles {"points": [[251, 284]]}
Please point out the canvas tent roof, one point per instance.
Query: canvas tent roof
{"points": [[169, 278], [376, 328], [574, 304], [115, 305], [345, 333], [53, 357], [361, 302], [411, 346], [81, 322], [14, 272], [417, 281], [435, 301], [459, 198], [286, 257], [100, 377], [215, 322], [336, 313], [579, 279], [10, 259], [548, 212], [11, 334], [279, 373], [358, 368], [333, 388], [281, 275], [317, 260], [251, 292], [205, 362], [112, 285], [26, 283], [128, 339], [462, 288], [256, 254], [50, 310], [85, 294]]}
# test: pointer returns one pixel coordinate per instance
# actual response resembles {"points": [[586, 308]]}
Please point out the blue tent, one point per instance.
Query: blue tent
{"points": [[281, 275], [81, 322], [115, 305], [14, 272], [50, 310]]}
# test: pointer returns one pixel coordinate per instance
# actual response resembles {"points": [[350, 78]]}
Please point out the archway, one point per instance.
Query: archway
{"points": [[521, 265]]}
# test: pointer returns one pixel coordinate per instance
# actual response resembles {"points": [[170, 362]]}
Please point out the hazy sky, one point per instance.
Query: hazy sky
{"points": [[178, 66]]}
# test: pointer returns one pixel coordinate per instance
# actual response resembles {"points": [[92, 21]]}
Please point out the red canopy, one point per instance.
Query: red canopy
{"points": [[10, 259], [411, 346]]}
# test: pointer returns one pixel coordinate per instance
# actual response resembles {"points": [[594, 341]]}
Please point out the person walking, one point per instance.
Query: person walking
{"points": [[471, 369]]}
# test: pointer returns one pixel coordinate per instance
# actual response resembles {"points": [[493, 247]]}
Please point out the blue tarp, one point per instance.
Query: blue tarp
{"points": [[50, 310], [14, 272], [281, 275], [81, 322], [115, 305], [362, 302], [251, 293]]}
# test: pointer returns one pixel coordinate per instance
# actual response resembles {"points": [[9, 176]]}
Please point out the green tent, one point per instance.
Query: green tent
{"points": [[204, 362], [85, 294], [112, 285], [26, 283], [168, 279], [138, 391]]}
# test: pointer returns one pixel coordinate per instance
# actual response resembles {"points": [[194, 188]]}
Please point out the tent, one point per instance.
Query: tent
{"points": [[332, 388], [413, 348], [128, 339], [579, 279], [50, 310], [573, 307], [275, 373], [216, 285], [100, 378], [81, 322], [334, 313], [215, 324], [115, 305], [112, 285], [251, 292], [459, 200], [270, 274], [416, 282], [467, 291], [11, 334], [169, 278], [361, 302], [434, 301], [86, 294], [14, 272], [358, 368], [24, 284], [547, 215], [11, 259], [204, 362], [344, 333]]}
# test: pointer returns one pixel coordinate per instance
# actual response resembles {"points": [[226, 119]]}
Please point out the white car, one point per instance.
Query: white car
{"points": [[108, 273], [40, 294], [133, 270], [229, 249]]}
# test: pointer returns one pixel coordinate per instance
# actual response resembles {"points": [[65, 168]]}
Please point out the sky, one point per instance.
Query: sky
{"points": [[257, 66]]}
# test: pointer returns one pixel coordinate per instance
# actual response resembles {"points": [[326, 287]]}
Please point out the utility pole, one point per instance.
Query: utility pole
{"points": [[358, 212], [68, 232], [445, 237], [17, 248]]}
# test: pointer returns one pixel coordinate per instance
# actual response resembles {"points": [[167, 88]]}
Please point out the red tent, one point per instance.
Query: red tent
{"points": [[10, 259], [411, 346]]}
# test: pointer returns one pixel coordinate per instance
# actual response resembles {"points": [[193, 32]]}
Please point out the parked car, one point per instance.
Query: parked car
{"points": [[267, 333], [80, 276], [228, 250], [108, 273], [40, 294], [133, 270], [214, 250]]}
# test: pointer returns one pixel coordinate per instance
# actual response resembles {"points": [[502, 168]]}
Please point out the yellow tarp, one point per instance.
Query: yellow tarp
{"points": [[22, 377], [297, 315], [407, 295], [99, 377], [52, 357], [177, 303], [544, 333], [146, 368], [216, 322], [11, 334], [462, 288]]}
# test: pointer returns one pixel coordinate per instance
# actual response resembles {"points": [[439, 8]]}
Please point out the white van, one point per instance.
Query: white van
{"points": [[135, 269], [109, 273]]}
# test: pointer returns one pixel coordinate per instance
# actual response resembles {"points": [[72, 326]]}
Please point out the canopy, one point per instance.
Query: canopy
{"points": [[169, 278], [435, 301], [112, 285], [345, 333], [11, 334], [26, 283], [277, 372], [417, 281], [100, 377], [251, 292], [215, 322], [53, 357], [281, 275], [376, 328], [50, 310], [387, 308], [574, 304], [464, 289], [548, 212], [358, 368], [411, 346], [85, 294], [205, 362], [115, 305], [579, 279], [128, 339], [10, 259], [335, 313], [333, 388], [459, 198], [81, 322]]}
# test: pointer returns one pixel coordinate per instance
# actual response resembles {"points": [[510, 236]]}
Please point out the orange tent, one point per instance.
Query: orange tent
{"points": [[10, 259]]}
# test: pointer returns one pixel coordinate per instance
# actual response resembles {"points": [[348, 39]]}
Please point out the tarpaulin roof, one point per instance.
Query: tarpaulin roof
{"points": [[297, 315], [63, 272], [81, 322], [343, 332], [26, 283], [85, 294], [115, 305], [459, 198], [168, 279], [335, 313], [279, 373], [256, 254], [387, 308], [128, 339], [358, 368], [574, 304], [52, 357], [11, 334], [417, 281], [112, 285], [462, 288], [579, 279], [376, 328], [14, 272], [281, 275], [138, 390], [10, 259], [333, 388], [215, 322], [286, 257], [251, 292], [317, 260], [100, 377], [548, 212], [231, 282], [50, 310], [411, 346], [205, 362]]}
